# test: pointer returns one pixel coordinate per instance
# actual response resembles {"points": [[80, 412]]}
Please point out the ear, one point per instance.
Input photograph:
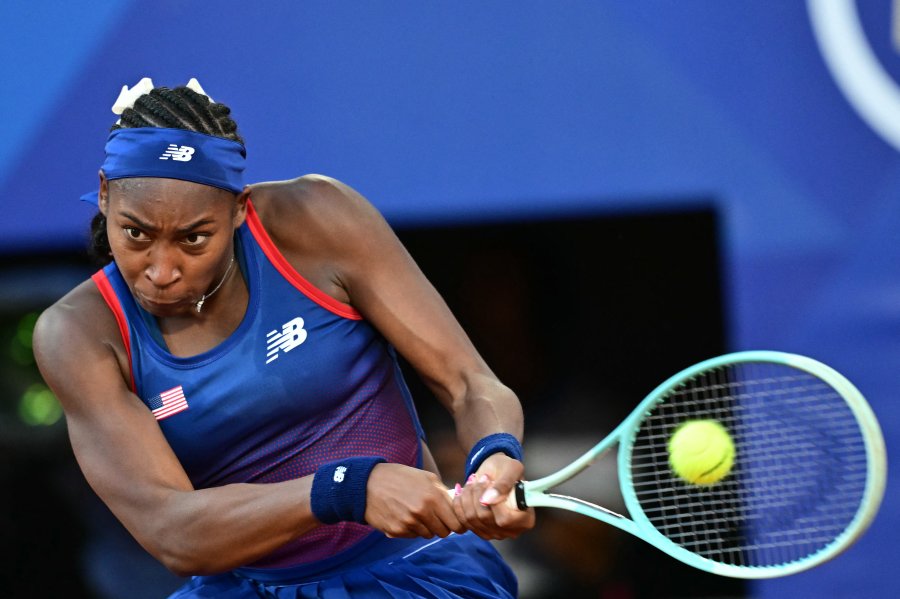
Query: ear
{"points": [[103, 194], [240, 210]]}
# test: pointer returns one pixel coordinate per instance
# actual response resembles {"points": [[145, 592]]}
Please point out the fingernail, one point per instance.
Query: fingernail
{"points": [[489, 496], [457, 490], [484, 479], [471, 479]]}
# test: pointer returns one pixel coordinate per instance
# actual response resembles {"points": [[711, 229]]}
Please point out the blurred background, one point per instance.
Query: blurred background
{"points": [[605, 192]]}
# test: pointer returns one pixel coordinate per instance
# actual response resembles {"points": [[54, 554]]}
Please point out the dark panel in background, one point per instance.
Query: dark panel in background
{"points": [[581, 318], [41, 529]]}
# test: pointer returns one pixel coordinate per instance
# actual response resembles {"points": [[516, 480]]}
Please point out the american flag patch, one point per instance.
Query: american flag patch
{"points": [[168, 403]]}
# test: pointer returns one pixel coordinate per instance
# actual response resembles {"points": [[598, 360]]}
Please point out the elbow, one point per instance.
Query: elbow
{"points": [[181, 543], [186, 564], [178, 566], [181, 554], [177, 558]]}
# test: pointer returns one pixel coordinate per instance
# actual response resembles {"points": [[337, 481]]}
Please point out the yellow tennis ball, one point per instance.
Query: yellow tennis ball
{"points": [[701, 452]]}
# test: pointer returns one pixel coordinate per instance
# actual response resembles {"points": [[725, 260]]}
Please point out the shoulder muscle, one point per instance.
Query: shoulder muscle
{"points": [[76, 335], [322, 227]]}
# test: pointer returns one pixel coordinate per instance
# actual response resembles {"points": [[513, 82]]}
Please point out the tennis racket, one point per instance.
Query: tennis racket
{"points": [[808, 476]]}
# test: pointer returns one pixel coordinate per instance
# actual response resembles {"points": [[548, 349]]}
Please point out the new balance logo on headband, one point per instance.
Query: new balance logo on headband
{"points": [[182, 153]]}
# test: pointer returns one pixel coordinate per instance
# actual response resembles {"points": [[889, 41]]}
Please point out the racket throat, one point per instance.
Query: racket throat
{"points": [[582, 502]]}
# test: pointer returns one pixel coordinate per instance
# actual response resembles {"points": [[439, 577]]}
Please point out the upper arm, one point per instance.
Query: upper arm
{"points": [[115, 438]]}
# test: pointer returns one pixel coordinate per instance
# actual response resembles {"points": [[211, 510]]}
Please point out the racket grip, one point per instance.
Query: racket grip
{"points": [[514, 501], [511, 502]]}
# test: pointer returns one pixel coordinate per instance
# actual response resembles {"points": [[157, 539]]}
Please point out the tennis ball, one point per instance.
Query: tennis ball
{"points": [[701, 452]]}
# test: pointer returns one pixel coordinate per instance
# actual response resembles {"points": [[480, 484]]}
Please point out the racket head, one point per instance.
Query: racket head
{"points": [[808, 475]]}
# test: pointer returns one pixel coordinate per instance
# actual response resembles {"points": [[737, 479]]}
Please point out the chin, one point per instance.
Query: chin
{"points": [[165, 308]]}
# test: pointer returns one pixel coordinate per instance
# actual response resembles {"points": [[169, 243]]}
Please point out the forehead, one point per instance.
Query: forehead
{"points": [[168, 197]]}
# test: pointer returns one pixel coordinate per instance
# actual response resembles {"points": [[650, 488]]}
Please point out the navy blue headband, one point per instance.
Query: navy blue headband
{"points": [[173, 154]]}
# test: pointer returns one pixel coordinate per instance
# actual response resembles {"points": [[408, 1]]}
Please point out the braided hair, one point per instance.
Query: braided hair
{"points": [[179, 108]]}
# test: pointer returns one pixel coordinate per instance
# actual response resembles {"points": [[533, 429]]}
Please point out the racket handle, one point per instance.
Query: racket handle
{"points": [[511, 502], [514, 501]]}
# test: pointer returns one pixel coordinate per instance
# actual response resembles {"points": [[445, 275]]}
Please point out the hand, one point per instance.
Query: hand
{"points": [[407, 502], [481, 505]]}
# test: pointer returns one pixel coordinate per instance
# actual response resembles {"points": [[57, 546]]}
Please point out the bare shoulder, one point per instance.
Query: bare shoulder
{"points": [[322, 207], [308, 190], [76, 333], [76, 315], [326, 230]]}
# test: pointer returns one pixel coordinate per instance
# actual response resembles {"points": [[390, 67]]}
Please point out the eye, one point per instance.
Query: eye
{"points": [[134, 233], [195, 238]]}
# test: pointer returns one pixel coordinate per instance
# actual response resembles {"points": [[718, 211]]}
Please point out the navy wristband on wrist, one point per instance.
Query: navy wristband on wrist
{"points": [[339, 490], [488, 446]]}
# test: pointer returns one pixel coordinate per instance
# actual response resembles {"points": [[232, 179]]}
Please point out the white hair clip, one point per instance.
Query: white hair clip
{"points": [[195, 85], [127, 97]]}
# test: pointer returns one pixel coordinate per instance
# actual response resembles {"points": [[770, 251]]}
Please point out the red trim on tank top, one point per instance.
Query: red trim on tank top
{"points": [[290, 273], [109, 296]]}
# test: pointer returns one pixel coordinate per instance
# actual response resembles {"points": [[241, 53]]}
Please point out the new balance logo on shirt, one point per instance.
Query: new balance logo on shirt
{"points": [[181, 153], [290, 336]]}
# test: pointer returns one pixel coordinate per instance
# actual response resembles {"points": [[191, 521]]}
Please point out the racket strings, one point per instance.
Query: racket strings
{"points": [[799, 473]]}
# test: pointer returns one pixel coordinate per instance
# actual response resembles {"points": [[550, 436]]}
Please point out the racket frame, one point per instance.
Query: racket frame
{"points": [[534, 493]]}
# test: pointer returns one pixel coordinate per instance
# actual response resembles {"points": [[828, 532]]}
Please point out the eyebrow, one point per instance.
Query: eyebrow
{"points": [[154, 229]]}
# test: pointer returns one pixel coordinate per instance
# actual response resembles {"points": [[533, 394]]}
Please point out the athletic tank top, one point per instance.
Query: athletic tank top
{"points": [[304, 380]]}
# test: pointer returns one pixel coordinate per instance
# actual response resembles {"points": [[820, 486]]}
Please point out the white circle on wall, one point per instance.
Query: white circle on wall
{"points": [[871, 91]]}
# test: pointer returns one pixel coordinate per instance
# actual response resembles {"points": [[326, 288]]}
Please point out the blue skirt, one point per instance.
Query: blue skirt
{"points": [[458, 566]]}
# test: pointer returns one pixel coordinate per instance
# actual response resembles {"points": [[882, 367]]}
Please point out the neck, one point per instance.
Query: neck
{"points": [[208, 295]]}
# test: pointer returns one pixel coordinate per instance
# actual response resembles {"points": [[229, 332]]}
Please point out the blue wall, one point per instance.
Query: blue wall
{"points": [[486, 111]]}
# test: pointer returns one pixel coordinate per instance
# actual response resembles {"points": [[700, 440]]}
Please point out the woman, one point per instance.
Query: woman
{"points": [[231, 388]]}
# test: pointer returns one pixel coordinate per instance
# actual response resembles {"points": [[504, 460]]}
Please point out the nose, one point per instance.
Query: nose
{"points": [[162, 269]]}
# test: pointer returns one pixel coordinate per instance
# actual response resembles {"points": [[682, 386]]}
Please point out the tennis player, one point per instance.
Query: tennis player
{"points": [[231, 385]]}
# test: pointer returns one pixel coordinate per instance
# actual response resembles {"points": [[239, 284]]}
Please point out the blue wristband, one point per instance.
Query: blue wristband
{"points": [[496, 443], [339, 490]]}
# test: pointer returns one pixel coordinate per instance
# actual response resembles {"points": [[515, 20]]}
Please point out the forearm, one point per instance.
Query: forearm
{"points": [[191, 531], [486, 406], [214, 530], [486, 417]]}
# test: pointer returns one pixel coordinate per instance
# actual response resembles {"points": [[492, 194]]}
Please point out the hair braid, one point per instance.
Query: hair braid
{"points": [[201, 106], [162, 116], [176, 104], [131, 118], [178, 108]]}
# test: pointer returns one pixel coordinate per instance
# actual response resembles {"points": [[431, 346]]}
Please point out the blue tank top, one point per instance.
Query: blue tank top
{"points": [[304, 380]]}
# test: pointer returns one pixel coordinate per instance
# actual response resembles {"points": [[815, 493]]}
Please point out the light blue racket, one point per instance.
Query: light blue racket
{"points": [[808, 477]]}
